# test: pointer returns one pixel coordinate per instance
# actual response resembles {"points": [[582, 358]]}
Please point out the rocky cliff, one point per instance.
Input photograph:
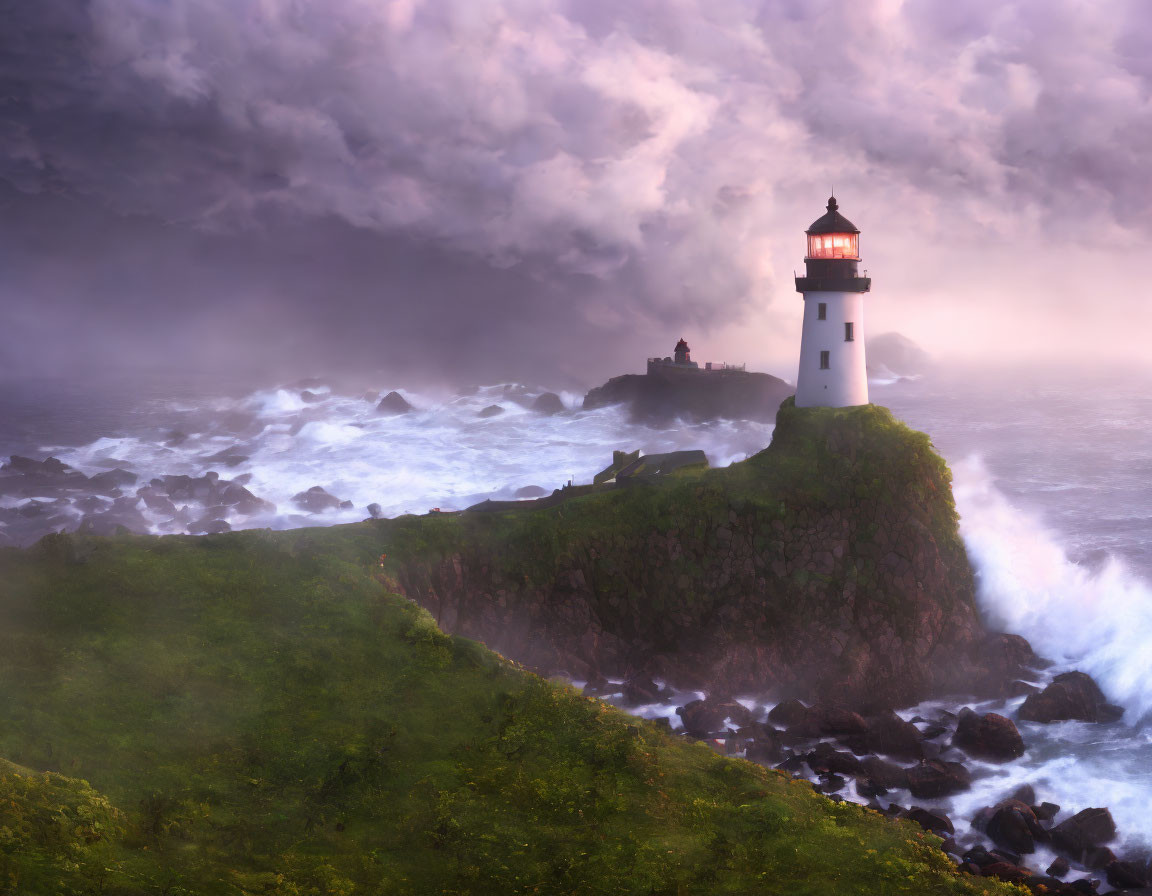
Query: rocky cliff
{"points": [[829, 566]]}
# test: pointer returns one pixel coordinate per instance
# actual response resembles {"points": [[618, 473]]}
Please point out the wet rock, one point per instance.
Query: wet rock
{"points": [[1046, 811], [1084, 830], [1006, 872], [208, 526], [175, 438], [830, 784], [375, 511], [493, 410], [229, 457], [979, 856], [1059, 868], [700, 718], [310, 397], [934, 778], [1072, 695], [826, 758], [1014, 826], [931, 820], [889, 734], [1025, 793], [788, 712], [1021, 689], [1085, 886], [1098, 858], [153, 500], [822, 720], [234, 495], [765, 749], [1125, 876], [794, 765], [530, 491], [393, 404], [548, 403], [641, 689], [868, 788], [989, 736], [111, 481], [315, 500], [884, 774]]}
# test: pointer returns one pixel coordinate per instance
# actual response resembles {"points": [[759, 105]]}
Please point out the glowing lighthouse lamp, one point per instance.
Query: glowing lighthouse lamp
{"points": [[832, 369]]}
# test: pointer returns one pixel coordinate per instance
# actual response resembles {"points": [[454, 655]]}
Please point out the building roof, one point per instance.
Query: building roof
{"points": [[832, 221], [682, 346]]}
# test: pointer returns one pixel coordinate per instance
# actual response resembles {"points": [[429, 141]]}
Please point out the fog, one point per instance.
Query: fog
{"points": [[455, 190]]}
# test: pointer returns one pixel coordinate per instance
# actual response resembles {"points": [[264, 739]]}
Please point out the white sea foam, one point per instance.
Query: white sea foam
{"points": [[1099, 619]]}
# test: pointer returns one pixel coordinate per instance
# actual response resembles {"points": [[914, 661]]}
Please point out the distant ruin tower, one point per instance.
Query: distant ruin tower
{"points": [[832, 371], [681, 354]]}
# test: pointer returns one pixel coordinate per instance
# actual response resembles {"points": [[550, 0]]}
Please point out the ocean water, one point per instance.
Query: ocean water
{"points": [[1052, 477]]}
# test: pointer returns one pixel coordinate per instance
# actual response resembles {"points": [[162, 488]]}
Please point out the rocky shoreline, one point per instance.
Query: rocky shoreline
{"points": [[907, 765]]}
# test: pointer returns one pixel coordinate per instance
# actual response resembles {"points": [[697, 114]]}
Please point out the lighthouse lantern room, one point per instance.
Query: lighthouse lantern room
{"points": [[832, 365]]}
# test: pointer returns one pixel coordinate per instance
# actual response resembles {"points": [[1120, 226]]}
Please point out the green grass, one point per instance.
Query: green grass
{"points": [[266, 718]]}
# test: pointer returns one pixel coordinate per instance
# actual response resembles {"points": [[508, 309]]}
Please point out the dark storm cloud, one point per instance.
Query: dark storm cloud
{"points": [[501, 187]]}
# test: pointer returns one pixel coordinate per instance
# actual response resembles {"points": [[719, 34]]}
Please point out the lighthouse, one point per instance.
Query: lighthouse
{"points": [[832, 369]]}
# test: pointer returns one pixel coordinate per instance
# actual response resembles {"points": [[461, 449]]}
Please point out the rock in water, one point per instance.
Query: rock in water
{"points": [[935, 778], [548, 404], [315, 500], [989, 736], [1072, 695], [393, 404], [695, 395], [1084, 830], [493, 410]]}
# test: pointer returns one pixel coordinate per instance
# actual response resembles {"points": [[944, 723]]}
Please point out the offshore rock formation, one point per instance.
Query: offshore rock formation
{"points": [[829, 567], [695, 395]]}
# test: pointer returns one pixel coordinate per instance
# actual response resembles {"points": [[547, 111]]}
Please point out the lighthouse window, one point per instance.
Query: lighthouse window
{"points": [[822, 311], [824, 361], [848, 335]]}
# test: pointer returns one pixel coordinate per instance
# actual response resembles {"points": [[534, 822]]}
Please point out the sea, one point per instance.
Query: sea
{"points": [[1052, 473]]}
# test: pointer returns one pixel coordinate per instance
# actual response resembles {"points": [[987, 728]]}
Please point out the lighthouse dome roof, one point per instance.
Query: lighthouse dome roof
{"points": [[832, 221]]}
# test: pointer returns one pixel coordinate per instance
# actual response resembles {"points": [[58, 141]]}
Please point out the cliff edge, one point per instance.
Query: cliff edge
{"points": [[828, 566]]}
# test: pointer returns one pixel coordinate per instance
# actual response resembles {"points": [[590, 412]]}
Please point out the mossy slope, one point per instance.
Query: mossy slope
{"points": [[261, 717], [828, 566]]}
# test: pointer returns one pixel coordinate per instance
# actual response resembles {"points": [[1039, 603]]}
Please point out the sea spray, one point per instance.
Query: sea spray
{"points": [[1098, 620]]}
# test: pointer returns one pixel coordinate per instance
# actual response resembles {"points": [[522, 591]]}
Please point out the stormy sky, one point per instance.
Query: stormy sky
{"points": [[553, 189]]}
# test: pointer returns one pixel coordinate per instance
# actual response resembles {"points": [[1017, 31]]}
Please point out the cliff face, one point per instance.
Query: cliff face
{"points": [[693, 395], [828, 566]]}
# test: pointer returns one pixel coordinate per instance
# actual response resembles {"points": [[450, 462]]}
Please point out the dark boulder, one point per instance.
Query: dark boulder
{"points": [[1014, 826], [884, 774], [1084, 830], [1059, 868], [989, 736], [393, 404], [931, 820], [315, 500], [889, 734], [1125, 876], [111, 480], [935, 778], [493, 410], [375, 510], [830, 783], [1046, 811], [548, 403], [823, 720], [788, 713], [1098, 858], [1072, 695], [641, 689], [1005, 871], [701, 719], [208, 526], [826, 758]]}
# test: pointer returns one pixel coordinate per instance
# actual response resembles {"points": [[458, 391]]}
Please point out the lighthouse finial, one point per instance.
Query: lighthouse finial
{"points": [[832, 204]]}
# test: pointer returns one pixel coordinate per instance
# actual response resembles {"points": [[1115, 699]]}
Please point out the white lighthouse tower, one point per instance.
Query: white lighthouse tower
{"points": [[832, 370]]}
